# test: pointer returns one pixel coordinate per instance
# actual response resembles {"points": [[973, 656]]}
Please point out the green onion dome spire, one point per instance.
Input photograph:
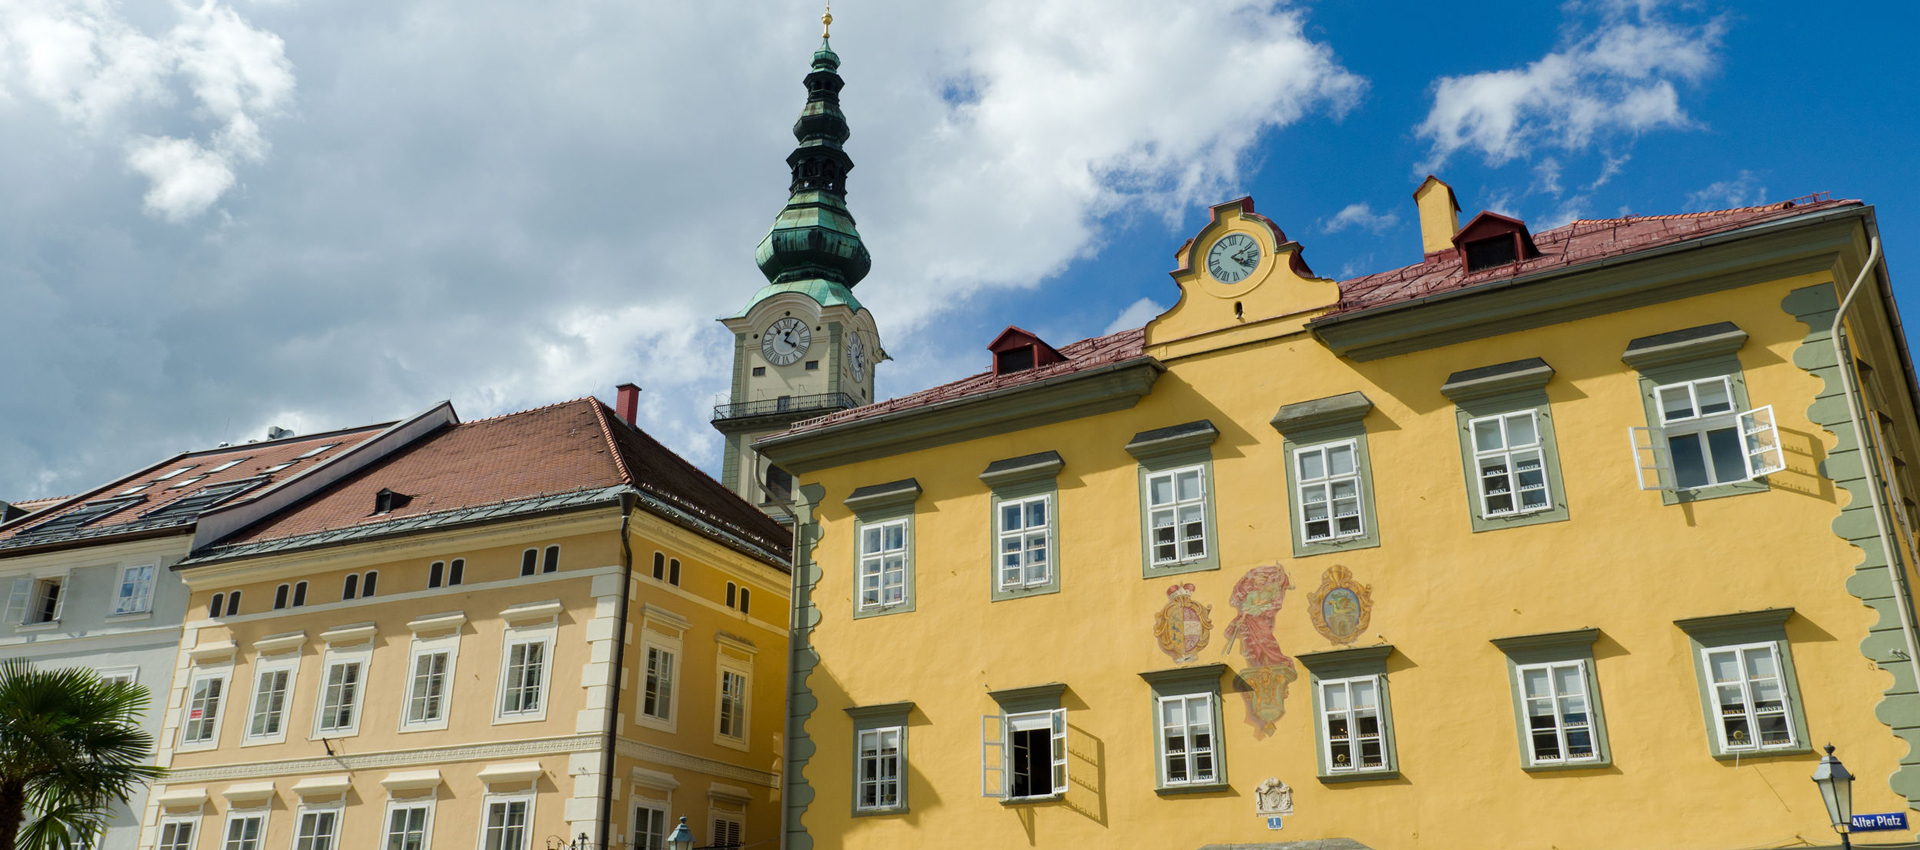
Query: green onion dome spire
{"points": [[813, 238]]}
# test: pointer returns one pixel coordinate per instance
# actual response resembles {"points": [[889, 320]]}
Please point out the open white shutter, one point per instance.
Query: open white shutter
{"points": [[1760, 442], [1652, 464], [1059, 750], [17, 600], [993, 756]]}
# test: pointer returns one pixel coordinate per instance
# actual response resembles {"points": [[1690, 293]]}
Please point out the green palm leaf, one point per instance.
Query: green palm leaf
{"points": [[71, 745]]}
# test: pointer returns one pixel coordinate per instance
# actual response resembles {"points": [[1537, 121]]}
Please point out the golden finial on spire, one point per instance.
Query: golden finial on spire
{"points": [[826, 21]]}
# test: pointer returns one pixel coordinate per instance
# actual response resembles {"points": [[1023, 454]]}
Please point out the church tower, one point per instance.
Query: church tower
{"points": [[804, 346]]}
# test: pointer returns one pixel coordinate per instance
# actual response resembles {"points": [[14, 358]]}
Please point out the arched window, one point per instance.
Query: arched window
{"points": [[299, 593], [553, 560], [280, 597], [528, 561], [366, 586], [745, 596], [732, 594], [659, 566], [233, 603], [458, 573], [435, 571], [351, 588], [213, 610], [673, 572]]}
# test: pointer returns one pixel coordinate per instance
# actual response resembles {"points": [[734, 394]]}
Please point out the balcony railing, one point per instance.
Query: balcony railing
{"points": [[820, 404]]}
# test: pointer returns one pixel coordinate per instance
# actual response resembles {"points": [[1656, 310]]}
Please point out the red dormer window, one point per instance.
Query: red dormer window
{"points": [[1017, 350], [1492, 240]]}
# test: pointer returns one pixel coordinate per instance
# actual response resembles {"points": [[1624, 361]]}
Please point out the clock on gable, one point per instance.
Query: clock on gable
{"points": [[1233, 257], [785, 341]]}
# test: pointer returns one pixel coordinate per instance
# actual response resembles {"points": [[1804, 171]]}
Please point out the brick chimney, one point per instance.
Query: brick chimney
{"points": [[627, 404], [1439, 215]]}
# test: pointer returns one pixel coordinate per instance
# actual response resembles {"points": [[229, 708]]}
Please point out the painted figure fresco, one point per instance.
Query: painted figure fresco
{"points": [[1183, 626], [1264, 681], [1341, 607]]}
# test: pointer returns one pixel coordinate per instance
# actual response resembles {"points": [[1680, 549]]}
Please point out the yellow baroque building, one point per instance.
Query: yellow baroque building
{"points": [[1583, 538], [506, 634]]}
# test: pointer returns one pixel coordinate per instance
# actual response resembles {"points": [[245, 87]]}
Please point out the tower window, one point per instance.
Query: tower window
{"points": [[813, 365], [759, 371]]}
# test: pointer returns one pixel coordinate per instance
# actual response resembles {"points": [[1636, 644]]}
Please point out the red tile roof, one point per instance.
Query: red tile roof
{"points": [[562, 448], [1081, 356], [1581, 242], [156, 488]]}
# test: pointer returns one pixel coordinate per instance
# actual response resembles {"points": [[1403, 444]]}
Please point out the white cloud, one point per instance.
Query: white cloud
{"points": [[1743, 190], [1136, 315], [1361, 216], [1546, 176], [1609, 169], [1571, 209], [99, 71], [1617, 79], [508, 204], [186, 177]]}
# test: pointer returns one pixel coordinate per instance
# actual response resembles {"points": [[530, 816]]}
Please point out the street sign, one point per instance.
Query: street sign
{"points": [[1879, 823]]}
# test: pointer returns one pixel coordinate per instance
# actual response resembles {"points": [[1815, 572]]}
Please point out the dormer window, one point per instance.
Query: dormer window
{"points": [[1018, 350], [1492, 240], [385, 501]]}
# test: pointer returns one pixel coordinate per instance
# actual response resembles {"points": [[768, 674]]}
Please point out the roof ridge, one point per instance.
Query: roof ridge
{"points": [[528, 410], [285, 441], [600, 412]]}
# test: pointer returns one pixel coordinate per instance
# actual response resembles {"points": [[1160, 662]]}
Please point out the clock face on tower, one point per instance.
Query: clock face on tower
{"points": [[857, 358], [1233, 257], [785, 341]]}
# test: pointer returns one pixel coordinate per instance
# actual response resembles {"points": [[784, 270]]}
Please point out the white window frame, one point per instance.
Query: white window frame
{"points": [[1022, 574], [226, 839], [142, 600], [1750, 711], [745, 702], [1328, 502], [302, 840], [486, 818], [130, 675], [335, 658], [288, 664], [37, 585], [190, 822], [407, 805], [544, 635], [1755, 429], [1557, 702], [1510, 454], [637, 836], [19, 591], [209, 725], [874, 573], [448, 645], [1352, 716], [649, 644], [870, 746], [1173, 510], [996, 751], [1186, 730]]}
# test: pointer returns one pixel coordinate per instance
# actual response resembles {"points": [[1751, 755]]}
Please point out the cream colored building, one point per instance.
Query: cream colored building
{"points": [[428, 657]]}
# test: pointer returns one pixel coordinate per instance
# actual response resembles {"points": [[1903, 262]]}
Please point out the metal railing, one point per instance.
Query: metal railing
{"points": [[822, 402]]}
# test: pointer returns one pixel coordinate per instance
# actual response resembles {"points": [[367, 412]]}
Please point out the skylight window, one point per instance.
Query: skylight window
{"points": [[207, 498], [317, 451], [276, 467], [229, 464], [175, 472], [84, 514], [187, 482], [135, 489]]}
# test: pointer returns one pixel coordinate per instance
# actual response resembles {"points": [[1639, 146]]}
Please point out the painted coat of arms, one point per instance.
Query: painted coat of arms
{"points": [[1263, 683], [1340, 607], [1182, 627]]}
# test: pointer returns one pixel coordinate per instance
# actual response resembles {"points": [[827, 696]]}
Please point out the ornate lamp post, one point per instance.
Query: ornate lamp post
{"points": [[681, 838], [1836, 790]]}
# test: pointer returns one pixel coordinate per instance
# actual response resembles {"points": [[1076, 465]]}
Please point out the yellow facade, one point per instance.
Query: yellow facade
{"points": [[1622, 561], [547, 763]]}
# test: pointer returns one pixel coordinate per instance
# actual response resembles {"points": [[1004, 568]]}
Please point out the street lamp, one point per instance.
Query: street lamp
{"points": [[1836, 790], [681, 838]]}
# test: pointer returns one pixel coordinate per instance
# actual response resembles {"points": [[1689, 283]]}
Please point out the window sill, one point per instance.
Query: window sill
{"points": [[1749, 755], [510, 719], [1197, 788], [732, 743], [880, 813], [262, 742], [1155, 571], [1684, 495], [1328, 547], [29, 628], [884, 610], [1562, 767], [436, 726], [1028, 801], [129, 617], [650, 722], [335, 734], [1004, 595], [1358, 776]]}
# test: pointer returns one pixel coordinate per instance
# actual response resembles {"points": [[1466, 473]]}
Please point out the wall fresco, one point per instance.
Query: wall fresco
{"points": [[1264, 681], [1183, 626], [1341, 607]]}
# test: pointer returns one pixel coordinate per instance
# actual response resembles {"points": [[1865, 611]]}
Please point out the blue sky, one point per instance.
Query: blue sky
{"points": [[228, 214]]}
